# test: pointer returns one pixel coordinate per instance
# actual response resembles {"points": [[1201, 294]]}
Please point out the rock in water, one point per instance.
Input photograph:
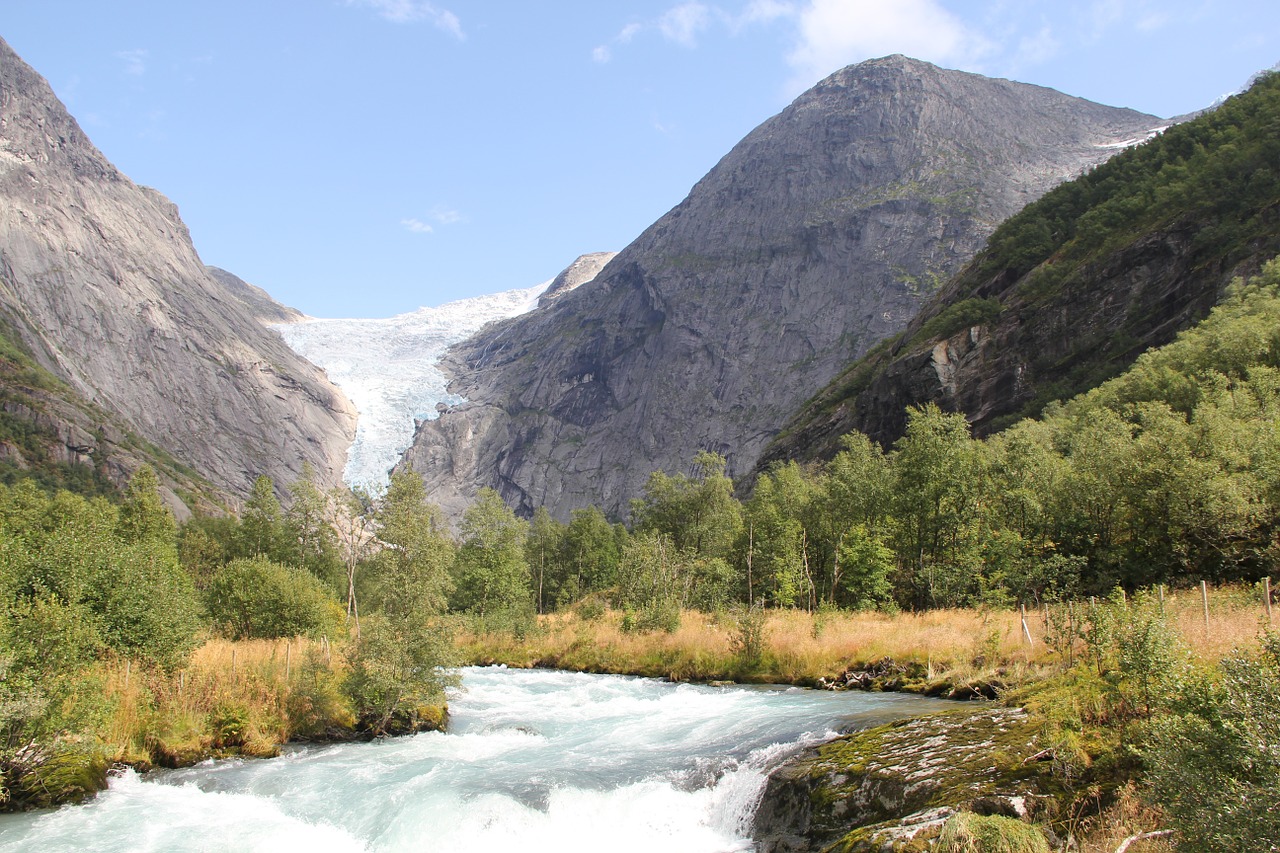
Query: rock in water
{"points": [[818, 235]]}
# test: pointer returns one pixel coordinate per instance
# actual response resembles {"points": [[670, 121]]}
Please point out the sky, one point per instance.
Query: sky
{"points": [[363, 158]]}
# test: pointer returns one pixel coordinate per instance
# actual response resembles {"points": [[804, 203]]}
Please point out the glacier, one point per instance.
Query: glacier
{"points": [[390, 370]]}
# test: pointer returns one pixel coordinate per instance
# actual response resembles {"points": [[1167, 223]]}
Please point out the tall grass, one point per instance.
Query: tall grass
{"points": [[801, 647], [230, 697]]}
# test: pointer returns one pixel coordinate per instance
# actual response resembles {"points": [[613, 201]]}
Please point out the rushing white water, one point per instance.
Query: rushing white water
{"points": [[389, 369], [533, 761]]}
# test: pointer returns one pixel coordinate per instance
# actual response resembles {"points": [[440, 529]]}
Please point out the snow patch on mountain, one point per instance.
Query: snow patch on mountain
{"points": [[389, 369]]}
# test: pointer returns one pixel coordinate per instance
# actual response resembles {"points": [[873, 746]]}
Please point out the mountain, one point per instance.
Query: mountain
{"points": [[818, 235], [1073, 288], [101, 287]]}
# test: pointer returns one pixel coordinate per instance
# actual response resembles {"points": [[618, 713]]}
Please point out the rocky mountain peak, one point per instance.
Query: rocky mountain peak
{"points": [[818, 235], [582, 270]]}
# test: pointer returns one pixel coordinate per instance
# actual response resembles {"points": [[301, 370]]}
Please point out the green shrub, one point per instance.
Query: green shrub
{"points": [[1215, 767], [256, 598]]}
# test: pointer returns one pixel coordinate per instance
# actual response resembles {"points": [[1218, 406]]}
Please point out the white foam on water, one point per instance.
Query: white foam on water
{"points": [[534, 760]]}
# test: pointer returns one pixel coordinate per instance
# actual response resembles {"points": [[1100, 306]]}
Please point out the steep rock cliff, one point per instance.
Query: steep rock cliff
{"points": [[1076, 286], [820, 234], [100, 282]]}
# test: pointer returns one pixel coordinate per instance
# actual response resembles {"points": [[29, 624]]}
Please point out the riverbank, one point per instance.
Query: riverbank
{"points": [[1078, 691], [232, 699], [958, 653]]}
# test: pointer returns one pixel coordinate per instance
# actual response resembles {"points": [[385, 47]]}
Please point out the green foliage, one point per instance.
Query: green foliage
{"points": [[698, 512], [1215, 766], [747, 640], [1217, 169], [256, 598], [957, 316], [410, 573], [490, 572], [399, 668], [966, 832]]}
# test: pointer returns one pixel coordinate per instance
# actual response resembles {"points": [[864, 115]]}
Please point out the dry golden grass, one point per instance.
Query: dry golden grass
{"points": [[1128, 816], [230, 694], [801, 647]]}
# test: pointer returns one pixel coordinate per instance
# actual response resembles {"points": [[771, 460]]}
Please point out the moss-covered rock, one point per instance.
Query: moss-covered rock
{"points": [[890, 787], [45, 777]]}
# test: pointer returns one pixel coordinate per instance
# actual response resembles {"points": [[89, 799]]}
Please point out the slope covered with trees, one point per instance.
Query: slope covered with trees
{"points": [[1073, 288]]}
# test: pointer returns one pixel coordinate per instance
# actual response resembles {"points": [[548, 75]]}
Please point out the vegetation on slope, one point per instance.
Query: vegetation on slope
{"points": [[1179, 213]]}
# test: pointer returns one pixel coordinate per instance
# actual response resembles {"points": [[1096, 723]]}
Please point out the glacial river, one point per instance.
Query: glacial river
{"points": [[534, 760]]}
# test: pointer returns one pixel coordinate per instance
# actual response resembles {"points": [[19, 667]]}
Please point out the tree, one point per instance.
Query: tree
{"points": [[401, 657], [938, 478], [698, 512], [543, 548], [350, 515], [410, 570], [779, 541], [589, 552], [491, 575], [309, 533], [262, 531], [143, 515]]}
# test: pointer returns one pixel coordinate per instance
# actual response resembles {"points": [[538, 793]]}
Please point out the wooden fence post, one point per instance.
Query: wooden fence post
{"points": [[1204, 599], [1266, 592]]}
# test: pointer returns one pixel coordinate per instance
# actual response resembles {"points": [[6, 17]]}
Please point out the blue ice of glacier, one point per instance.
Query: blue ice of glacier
{"points": [[389, 369]]}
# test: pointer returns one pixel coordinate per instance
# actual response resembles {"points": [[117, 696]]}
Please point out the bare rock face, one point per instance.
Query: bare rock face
{"points": [[584, 269], [817, 236], [99, 279]]}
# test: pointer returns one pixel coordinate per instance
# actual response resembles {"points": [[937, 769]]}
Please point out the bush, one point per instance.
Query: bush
{"points": [[256, 598], [1215, 768]]}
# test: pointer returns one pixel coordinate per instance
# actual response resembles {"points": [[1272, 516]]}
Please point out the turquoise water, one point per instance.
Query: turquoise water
{"points": [[534, 760]]}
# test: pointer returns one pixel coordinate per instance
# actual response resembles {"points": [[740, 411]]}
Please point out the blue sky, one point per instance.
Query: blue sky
{"points": [[360, 158]]}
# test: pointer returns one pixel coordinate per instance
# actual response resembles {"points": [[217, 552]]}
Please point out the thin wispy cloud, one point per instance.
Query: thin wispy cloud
{"points": [[684, 23], [438, 216], [417, 226], [414, 11], [446, 216], [135, 61], [834, 33]]}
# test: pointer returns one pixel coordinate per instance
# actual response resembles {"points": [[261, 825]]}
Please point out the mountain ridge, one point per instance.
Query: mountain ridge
{"points": [[100, 282], [818, 235]]}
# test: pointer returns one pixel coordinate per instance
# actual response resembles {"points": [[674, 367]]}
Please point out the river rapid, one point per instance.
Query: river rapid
{"points": [[534, 760]]}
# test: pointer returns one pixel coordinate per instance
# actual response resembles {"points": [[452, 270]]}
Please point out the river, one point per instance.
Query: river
{"points": [[534, 760]]}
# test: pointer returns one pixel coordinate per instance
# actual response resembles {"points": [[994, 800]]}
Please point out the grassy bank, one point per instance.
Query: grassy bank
{"points": [[796, 647]]}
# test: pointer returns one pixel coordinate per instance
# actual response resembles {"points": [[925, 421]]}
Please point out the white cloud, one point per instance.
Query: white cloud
{"points": [[681, 24], [763, 12], [135, 61], [628, 33], [438, 215], [836, 33], [684, 23], [411, 11], [1035, 48], [446, 216]]}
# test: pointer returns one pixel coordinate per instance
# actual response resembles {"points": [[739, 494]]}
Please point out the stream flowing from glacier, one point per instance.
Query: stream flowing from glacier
{"points": [[534, 760]]}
